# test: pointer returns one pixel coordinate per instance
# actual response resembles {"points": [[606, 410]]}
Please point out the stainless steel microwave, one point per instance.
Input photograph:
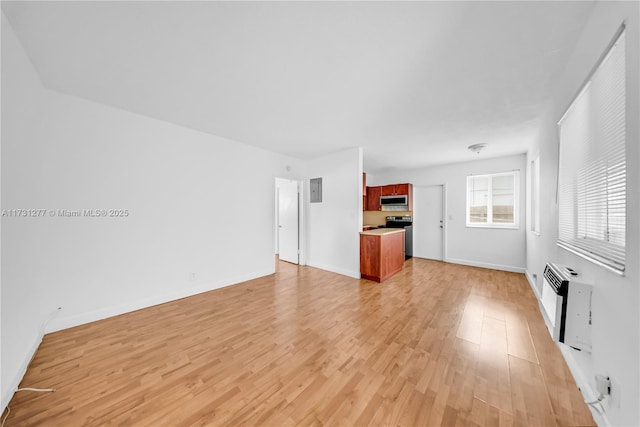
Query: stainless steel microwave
{"points": [[401, 200]]}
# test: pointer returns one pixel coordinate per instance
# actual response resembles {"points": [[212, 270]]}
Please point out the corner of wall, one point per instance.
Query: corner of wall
{"points": [[532, 283], [333, 225]]}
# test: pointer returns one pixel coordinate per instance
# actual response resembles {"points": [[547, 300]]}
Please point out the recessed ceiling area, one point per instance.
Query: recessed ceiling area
{"points": [[413, 83]]}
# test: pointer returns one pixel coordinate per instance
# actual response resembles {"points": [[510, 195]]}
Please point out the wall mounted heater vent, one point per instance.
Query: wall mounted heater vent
{"points": [[566, 306]]}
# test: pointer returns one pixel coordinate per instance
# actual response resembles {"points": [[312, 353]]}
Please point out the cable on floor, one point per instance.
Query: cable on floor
{"points": [[6, 416], [593, 404], [39, 390], [598, 400]]}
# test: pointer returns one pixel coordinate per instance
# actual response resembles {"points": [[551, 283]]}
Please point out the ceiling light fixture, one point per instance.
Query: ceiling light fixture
{"points": [[477, 148]]}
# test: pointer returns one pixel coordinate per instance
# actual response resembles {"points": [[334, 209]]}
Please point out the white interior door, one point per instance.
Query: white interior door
{"points": [[288, 220], [428, 222]]}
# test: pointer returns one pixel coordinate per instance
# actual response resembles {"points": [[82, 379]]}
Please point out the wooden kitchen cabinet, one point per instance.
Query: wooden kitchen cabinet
{"points": [[381, 253], [403, 189], [374, 193], [364, 191], [396, 190], [373, 198], [406, 190], [387, 190]]}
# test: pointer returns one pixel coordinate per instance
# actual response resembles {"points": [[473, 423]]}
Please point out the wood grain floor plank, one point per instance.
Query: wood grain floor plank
{"points": [[437, 344], [519, 342], [529, 394]]}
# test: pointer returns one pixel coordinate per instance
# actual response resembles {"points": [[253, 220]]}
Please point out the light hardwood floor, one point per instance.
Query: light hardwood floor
{"points": [[437, 344]]}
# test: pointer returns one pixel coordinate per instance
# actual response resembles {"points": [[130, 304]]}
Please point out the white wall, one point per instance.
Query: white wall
{"points": [[197, 204], [502, 249], [333, 240], [616, 330], [20, 325]]}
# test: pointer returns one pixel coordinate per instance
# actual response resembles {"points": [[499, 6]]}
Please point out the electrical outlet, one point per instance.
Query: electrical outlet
{"points": [[192, 277], [603, 385]]}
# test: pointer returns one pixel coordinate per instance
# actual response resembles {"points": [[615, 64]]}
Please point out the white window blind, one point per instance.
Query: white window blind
{"points": [[592, 169]]}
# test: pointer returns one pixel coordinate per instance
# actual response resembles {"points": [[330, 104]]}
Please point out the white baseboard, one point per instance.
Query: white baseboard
{"points": [[580, 377], [533, 284], [486, 265], [103, 313], [7, 393], [333, 269], [17, 378]]}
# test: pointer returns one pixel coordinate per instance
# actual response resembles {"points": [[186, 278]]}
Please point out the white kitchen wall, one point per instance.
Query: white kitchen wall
{"points": [[200, 211], [502, 249], [615, 302], [333, 240]]}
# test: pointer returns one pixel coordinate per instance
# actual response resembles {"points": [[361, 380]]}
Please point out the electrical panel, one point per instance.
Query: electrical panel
{"points": [[315, 190]]}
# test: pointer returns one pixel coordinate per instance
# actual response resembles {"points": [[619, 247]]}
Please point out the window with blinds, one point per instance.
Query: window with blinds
{"points": [[592, 168]]}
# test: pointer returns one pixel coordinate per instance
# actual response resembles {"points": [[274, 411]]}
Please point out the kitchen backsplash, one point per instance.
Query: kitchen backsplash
{"points": [[380, 217]]}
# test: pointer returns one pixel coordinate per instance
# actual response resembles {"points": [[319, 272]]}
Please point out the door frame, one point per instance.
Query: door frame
{"points": [[445, 222], [301, 236]]}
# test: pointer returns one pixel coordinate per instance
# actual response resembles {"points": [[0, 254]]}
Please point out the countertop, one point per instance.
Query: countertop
{"points": [[382, 231]]}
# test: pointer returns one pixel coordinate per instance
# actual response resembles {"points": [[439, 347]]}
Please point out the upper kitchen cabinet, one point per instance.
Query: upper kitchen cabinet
{"points": [[374, 194], [396, 190], [388, 190], [364, 191], [408, 190], [373, 198], [404, 189]]}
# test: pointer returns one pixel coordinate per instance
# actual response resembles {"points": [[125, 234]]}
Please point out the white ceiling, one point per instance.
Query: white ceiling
{"points": [[413, 83]]}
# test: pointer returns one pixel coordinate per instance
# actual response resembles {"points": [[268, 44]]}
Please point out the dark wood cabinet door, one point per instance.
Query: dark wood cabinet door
{"points": [[402, 189], [406, 190], [373, 198], [388, 190], [364, 191]]}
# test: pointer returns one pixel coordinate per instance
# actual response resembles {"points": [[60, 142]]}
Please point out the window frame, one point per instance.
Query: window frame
{"points": [[535, 196], [515, 225]]}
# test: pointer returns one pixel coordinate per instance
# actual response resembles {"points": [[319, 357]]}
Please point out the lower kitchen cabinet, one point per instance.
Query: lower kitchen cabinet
{"points": [[381, 253]]}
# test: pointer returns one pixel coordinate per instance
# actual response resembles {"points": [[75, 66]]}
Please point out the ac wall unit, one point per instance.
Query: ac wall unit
{"points": [[566, 304]]}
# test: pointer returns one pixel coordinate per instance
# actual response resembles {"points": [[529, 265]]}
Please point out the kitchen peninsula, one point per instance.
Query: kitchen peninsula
{"points": [[381, 253]]}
